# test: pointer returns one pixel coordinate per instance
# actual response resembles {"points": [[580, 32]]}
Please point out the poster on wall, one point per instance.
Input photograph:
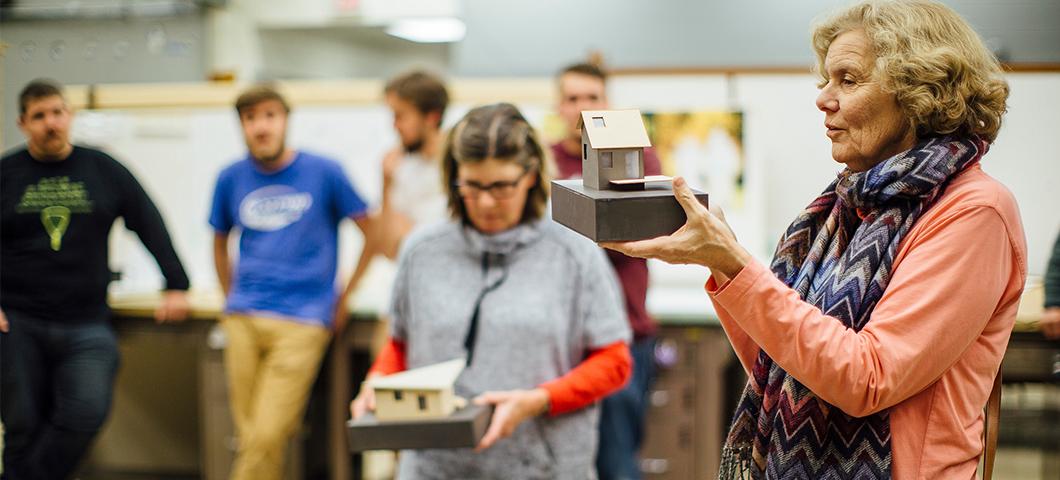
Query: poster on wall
{"points": [[705, 147]]}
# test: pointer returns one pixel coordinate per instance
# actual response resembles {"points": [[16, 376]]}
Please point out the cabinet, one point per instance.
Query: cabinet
{"points": [[689, 408]]}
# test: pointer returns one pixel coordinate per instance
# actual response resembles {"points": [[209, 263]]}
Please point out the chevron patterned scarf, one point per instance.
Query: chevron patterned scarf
{"points": [[837, 255]]}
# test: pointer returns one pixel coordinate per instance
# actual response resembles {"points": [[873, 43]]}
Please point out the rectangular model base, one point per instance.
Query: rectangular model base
{"points": [[462, 429], [609, 215]]}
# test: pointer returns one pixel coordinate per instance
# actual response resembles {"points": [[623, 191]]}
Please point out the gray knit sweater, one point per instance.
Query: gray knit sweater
{"points": [[556, 299]]}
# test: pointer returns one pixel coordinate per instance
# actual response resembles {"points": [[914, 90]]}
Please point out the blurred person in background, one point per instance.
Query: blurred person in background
{"points": [[412, 179], [583, 86], [1050, 322], [59, 351], [285, 207]]}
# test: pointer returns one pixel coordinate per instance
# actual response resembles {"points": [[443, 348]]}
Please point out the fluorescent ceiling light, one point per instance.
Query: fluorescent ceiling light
{"points": [[428, 30]]}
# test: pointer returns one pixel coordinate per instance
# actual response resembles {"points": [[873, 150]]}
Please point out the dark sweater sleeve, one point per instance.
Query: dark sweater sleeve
{"points": [[142, 216], [1052, 277]]}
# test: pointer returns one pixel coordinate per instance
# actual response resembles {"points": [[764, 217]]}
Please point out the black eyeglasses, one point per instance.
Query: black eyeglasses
{"points": [[499, 190]]}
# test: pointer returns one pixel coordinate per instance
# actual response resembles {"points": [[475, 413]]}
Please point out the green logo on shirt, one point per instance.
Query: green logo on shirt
{"points": [[55, 220], [56, 198]]}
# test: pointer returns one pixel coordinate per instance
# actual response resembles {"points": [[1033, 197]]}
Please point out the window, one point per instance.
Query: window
{"points": [[585, 151], [606, 161], [633, 164], [398, 395], [598, 122], [423, 402]]}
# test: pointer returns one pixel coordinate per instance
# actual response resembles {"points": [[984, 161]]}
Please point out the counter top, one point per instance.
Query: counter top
{"points": [[674, 306]]}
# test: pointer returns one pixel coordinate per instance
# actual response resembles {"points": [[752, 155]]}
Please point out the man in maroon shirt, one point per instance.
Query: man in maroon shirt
{"points": [[584, 87]]}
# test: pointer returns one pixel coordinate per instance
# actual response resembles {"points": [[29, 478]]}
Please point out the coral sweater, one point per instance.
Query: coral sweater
{"points": [[933, 344]]}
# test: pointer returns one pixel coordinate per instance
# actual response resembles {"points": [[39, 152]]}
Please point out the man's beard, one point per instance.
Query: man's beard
{"points": [[53, 145], [272, 158], [415, 146]]}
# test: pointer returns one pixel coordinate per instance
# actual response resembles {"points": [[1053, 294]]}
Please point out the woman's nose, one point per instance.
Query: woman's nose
{"points": [[826, 101], [485, 198]]}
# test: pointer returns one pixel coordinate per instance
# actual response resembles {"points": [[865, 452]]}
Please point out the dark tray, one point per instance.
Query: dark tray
{"points": [[611, 215], [462, 429]]}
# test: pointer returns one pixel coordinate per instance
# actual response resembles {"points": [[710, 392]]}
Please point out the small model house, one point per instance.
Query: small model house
{"points": [[420, 393], [417, 409], [615, 201], [613, 143]]}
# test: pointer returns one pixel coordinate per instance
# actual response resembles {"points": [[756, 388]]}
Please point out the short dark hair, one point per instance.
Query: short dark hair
{"points": [[499, 132], [257, 94], [37, 89], [587, 69], [423, 90]]}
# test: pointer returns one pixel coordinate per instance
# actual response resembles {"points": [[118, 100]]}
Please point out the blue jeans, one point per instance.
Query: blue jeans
{"points": [[56, 382], [622, 418]]}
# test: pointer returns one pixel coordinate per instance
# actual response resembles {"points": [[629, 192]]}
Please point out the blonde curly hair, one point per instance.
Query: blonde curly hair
{"points": [[943, 77]]}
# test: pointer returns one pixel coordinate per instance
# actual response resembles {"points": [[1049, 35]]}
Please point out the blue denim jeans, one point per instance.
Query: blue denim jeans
{"points": [[56, 383], [622, 418]]}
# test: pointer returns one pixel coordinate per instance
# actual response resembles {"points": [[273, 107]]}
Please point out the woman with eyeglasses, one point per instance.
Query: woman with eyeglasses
{"points": [[534, 308]]}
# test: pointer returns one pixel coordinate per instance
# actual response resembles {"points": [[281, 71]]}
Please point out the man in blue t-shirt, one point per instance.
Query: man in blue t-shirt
{"points": [[281, 298]]}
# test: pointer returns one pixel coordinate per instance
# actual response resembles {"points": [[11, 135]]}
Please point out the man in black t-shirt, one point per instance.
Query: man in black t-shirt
{"points": [[59, 353]]}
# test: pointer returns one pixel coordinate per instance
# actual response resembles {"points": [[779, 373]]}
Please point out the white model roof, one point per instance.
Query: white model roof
{"points": [[439, 376], [621, 129]]}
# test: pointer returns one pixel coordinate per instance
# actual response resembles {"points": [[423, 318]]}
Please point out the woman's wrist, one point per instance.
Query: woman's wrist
{"points": [[543, 401], [731, 265]]}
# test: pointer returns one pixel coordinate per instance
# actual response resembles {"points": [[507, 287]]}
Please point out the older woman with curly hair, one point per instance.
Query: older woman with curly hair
{"points": [[873, 337]]}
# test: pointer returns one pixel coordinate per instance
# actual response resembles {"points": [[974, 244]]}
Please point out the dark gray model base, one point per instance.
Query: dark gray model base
{"points": [[462, 429], [609, 215]]}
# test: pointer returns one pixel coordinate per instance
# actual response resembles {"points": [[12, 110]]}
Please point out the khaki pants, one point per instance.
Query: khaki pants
{"points": [[271, 365]]}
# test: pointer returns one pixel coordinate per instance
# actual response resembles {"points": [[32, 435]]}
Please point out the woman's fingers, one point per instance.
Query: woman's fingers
{"points": [[687, 199], [498, 427], [715, 210], [364, 403], [651, 248], [489, 398], [356, 408]]}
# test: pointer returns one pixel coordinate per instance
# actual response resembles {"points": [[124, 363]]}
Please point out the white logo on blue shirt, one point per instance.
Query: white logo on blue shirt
{"points": [[273, 207]]}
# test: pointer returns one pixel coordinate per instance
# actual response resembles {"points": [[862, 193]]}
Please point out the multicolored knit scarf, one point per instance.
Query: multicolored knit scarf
{"points": [[837, 255]]}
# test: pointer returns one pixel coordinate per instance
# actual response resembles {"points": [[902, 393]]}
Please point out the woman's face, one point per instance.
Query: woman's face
{"points": [[494, 193], [864, 122]]}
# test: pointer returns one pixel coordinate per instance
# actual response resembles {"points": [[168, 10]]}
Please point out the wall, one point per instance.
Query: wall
{"points": [[100, 51], [536, 37], [320, 53], [257, 39], [177, 154]]}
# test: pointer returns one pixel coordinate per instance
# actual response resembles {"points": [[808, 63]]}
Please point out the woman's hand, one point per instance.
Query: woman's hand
{"points": [[365, 401], [510, 409], [705, 239]]}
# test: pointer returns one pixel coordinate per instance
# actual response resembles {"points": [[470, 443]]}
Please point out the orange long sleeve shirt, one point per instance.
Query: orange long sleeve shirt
{"points": [[603, 372], [933, 344]]}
